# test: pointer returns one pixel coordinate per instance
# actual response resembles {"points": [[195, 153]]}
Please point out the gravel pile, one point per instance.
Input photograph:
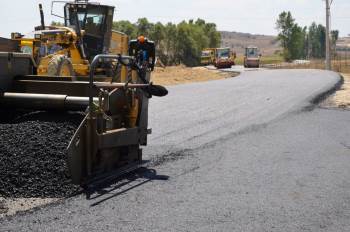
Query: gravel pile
{"points": [[33, 153]]}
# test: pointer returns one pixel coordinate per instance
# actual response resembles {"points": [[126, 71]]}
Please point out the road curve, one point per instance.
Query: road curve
{"points": [[195, 114], [240, 154]]}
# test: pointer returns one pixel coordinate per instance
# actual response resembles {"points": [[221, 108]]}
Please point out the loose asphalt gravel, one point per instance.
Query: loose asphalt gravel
{"points": [[244, 154], [33, 153]]}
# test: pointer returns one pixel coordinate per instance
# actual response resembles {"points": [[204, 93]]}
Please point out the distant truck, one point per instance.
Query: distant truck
{"points": [[219, 57], [208, 56], [224, 58], [252, 57]]}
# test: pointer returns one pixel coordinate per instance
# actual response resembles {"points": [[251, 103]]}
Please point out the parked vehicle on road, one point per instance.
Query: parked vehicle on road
{"points": [[219, 57], [208, 56], [252, 57], [224, 58]]}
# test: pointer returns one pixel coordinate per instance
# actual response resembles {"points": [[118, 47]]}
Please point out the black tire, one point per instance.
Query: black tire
{"points": [[60, 65]]}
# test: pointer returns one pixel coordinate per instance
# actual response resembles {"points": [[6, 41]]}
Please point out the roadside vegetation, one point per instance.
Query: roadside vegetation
{"points": [[302, 42], [175, 43], [340, 98]]}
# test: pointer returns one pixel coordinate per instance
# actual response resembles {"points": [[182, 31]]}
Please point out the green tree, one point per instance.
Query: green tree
{"points": [[57, 24], [291, 36], [157, 33], [214, 36], [170, 46], [317, 40], [334, 39], [144, 27], [284, 25], [125, 27], [175, 44], [297, 43], [334, 36], [186, 45]]}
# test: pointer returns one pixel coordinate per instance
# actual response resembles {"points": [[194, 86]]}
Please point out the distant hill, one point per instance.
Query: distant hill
{"points": [[267, 44]]}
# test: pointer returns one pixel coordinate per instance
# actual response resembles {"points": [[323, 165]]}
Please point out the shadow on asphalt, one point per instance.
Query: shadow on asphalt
{"points": [[122, 185]]}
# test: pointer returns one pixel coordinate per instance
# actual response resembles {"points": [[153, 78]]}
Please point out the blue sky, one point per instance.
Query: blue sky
{"points": [[253, 16]]}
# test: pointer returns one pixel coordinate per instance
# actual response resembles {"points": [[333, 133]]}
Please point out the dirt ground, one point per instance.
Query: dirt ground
{"points": [[175, 75], [341, 98], [9, 207]]}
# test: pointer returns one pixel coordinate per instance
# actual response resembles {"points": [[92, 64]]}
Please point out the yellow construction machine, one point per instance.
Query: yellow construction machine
{"points": [[252, 57], [208, 56], [219, 57], [68, 50], [85, 66]]}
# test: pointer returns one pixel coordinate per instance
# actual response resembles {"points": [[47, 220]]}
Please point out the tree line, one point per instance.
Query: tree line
{"points": [[302, 42], [175, 43]]}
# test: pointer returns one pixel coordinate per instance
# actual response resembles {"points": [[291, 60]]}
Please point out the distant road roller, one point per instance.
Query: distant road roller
{"points": [[252, 57]]}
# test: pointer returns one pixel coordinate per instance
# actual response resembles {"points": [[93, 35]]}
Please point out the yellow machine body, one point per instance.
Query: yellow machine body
{"points": [[77, 43], [208, 56]]}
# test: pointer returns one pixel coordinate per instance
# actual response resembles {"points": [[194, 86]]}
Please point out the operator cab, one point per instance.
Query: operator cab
{"points": [[252, 52], [96, 20]]}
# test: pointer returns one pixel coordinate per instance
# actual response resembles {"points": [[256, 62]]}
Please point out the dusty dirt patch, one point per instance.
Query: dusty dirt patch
{"points": [[175, 75], [341, 98], [11, 206]]}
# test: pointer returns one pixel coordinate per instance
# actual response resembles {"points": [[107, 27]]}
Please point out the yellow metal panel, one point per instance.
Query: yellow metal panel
{"points": [[124, 74], [119, 43], [81, 69], [26, 43], [134, 76]]}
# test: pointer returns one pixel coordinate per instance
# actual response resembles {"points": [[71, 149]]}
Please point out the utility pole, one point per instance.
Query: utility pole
{"points": [[328, 55]]}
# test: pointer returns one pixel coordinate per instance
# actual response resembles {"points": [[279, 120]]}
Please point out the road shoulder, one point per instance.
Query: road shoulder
{"points": [[341, 98]]}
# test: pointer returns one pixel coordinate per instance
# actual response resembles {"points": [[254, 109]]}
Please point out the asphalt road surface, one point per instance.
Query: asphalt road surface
{"points": [[250, 153]]}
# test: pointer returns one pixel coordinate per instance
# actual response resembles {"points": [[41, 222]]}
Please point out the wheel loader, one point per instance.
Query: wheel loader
{"points": [[68, 50], [85, 66]]}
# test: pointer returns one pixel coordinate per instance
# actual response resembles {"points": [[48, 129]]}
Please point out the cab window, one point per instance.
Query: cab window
{"points": [[90, 19]]}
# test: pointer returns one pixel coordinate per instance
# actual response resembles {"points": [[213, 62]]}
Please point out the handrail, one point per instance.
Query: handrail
{"points": [[93, 66]]}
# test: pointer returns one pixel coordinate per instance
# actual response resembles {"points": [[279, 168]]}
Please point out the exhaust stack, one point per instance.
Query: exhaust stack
{"points": [[42, 17]]}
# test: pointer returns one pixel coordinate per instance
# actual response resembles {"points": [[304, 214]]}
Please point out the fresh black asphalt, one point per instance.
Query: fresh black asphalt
{"points": [[245, 154]]}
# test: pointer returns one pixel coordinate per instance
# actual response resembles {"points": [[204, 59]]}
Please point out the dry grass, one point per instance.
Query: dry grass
{"points": [[175, 75], [271, 59], [342, 97]]}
